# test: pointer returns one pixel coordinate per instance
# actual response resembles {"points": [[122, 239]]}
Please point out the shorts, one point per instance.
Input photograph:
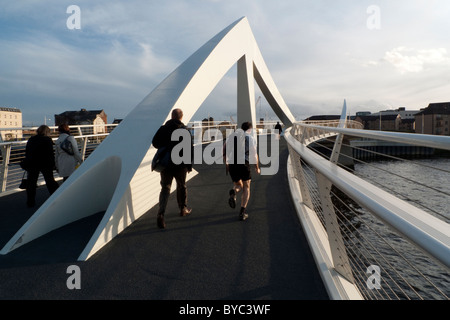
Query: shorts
{"points": [[240, 172]]}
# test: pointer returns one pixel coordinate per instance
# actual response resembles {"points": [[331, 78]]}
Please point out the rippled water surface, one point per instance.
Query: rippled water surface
{"points": [[426, 184]]}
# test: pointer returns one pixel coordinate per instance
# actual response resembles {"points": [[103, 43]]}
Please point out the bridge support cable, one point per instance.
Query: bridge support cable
{"points": [[400, 280], [401, 232], [321, 144]]}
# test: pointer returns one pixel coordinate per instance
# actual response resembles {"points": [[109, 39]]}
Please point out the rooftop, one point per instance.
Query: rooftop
{"points": [[436, 108], [78, 116], [9, 109]]}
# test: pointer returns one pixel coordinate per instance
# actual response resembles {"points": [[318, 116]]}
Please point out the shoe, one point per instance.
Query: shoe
{"points": [[160, 221], [232, 199], [185, 211], [243, 215]]}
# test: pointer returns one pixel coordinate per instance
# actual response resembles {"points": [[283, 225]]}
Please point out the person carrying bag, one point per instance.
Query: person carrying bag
{"points": [[67, 156]]}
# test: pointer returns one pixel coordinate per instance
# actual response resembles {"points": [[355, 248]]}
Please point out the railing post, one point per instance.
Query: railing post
{"points": [[83, 147], [338, 252], [80, 132], [300, 176], [303, 135], [336, 148], [6, 155]]}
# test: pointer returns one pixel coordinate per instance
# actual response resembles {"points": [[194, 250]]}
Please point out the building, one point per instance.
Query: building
{"points": [[405, 125], [435, 119], [10, 118], [404, 114], [388, 120], [368, 121], [379, 122], [98, 118]]}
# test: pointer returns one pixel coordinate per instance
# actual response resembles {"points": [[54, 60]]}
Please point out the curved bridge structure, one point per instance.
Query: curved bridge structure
{"points": [[322, 221], [116, 178], [369, 239]]}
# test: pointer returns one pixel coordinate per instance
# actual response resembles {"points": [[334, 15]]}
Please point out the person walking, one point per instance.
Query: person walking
{"points": [[278, 130], [162, 139], [66, 160], [39, 157], [241, 173]]}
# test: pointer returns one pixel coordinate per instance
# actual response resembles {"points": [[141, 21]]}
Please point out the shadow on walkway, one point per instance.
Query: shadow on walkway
{"points": [[209, 255]]}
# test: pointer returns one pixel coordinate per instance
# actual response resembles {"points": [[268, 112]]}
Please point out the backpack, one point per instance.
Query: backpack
{"points": [[161, 160], [66, 146]]}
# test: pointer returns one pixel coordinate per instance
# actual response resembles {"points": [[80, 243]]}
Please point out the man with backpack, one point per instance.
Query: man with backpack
{"points": [[162, 139]]}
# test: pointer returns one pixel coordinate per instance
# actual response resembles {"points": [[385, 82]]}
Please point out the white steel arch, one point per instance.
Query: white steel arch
{"points": [[116, 177]]}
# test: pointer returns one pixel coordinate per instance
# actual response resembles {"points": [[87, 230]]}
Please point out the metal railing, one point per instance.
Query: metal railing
{"points": [[373, 236], [12, 152], [88, 138]]}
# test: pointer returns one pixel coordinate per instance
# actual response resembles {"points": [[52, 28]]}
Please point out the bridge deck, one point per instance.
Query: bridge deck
{"points": [[209, 255]]}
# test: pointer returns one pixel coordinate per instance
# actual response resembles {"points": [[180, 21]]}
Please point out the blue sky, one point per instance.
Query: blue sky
{"points": [[318, 52]]}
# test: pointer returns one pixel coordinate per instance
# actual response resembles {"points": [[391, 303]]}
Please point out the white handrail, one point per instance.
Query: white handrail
{"points": [[427, 232], [10, 176], [425, 140]]}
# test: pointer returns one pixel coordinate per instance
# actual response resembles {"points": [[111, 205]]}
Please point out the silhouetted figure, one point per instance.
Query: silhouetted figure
{"points": [[162, 139], [39, 157], [241, 173]]}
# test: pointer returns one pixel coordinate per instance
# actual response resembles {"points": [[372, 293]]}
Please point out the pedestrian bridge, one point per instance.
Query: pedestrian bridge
{"points": [[316, 229]]}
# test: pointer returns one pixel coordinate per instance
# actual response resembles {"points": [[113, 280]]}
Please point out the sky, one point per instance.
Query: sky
{"points": [[375, 54]]}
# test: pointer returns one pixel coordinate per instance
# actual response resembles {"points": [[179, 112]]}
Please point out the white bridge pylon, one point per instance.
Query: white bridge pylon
{"points": [[117, 178]]}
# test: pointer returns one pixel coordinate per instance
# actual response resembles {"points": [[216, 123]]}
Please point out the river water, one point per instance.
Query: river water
{"points": [[426, 184], [423, 182]]}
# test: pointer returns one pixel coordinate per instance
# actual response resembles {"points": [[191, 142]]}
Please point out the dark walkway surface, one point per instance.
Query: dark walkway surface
{"points": [[209, 255]]}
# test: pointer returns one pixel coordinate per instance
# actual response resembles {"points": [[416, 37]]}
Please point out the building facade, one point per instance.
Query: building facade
{"points": [[10, 119], [98, 118], [378, 122], [388, 120], [402, 112], [435, 119]]}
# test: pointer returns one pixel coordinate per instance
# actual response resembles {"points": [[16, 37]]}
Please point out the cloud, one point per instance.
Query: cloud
{"points": [[317, 52], [49, 76], [413, 60]]}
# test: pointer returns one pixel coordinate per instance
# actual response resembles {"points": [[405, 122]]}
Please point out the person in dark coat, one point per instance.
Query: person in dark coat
{"points": [[161, 139], [278, 127], [278, 130], [39, 157]]}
